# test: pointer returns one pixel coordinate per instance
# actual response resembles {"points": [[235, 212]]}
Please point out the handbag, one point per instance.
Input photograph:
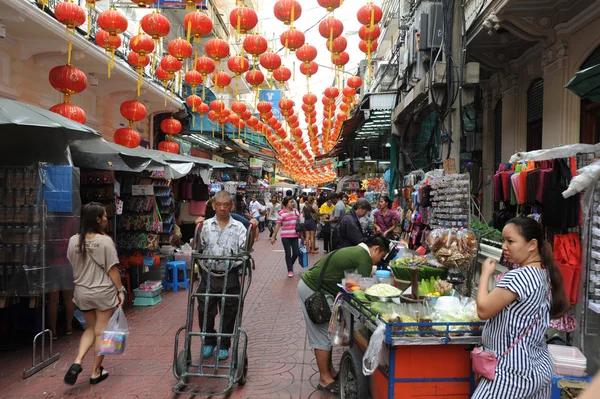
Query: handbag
{"points": [[299, 225], [484, 363], [316, 305]]}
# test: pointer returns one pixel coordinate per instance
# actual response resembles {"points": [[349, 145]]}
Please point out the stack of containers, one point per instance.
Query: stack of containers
{"points": [[568, 361]]}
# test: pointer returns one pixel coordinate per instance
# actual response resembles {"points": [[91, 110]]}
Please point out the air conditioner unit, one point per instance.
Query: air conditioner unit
{"points": [[429, 21]]}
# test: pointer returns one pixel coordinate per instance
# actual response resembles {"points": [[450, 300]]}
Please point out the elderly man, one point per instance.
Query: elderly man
{"points": [[221, 235], [350, 231]]}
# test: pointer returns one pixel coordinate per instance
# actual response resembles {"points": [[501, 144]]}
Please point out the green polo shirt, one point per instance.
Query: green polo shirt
{"points": [[343, 259]]}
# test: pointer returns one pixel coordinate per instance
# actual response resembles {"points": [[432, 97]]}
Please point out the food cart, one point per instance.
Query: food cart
{"points": [[417, 360]]}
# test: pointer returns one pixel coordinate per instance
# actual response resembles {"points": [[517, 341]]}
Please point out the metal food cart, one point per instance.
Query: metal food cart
{"points": [[420, 364]]}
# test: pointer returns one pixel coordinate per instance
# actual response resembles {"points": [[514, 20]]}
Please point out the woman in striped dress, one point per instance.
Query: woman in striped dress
{"points": [[518, 311]]}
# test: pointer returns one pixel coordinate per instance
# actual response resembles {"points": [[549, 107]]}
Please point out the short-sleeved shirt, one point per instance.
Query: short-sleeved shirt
{"points": [[338, 212], [255, 209], [326, 209], [288, 223], [222, 242], [94, 288], [273, 211]]}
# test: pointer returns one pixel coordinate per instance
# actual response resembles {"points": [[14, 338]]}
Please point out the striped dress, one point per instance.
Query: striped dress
{"points": [[526, 371]]}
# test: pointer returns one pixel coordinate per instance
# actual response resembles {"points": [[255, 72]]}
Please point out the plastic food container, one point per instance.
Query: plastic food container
{"points": [[447, 304], [384, 277], [568, 361]]}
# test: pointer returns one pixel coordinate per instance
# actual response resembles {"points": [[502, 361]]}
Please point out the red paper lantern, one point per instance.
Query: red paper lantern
{"points": [[193, 78], [138, 61], [216, 49], [369, 32], [270, 61], [309, 99], [180, 49], [331, 92], [218, 106], [204, 65], [202, 109], [287, 11], [253, 122], [133, 110], [306, 53], [348, 100], [282, 74], [331, 28], [292, 39], [127, 137], [338, 45], [263, 107], [327, 101], [369, 14], [171, 65], [286, 103], [341, 116], [112, 21], [367, 47], [330, 5], [238, 107], [354, 82], [254, 77], [168, 146], [194, 102], [67, 80], [238, 65], [170, 126], [309, 69], [212, 115], [243, 19], [221, 79], [107, 41], [69, 14], [156, 25], [255, 45], [162, 75], [234, 119], [197, 24], [344, 107], [143, 3], [70, 111], [142, 44], [340, 59]]}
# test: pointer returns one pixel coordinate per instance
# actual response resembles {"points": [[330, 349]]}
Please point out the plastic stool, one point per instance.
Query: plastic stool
{"points": [[175, 266]]}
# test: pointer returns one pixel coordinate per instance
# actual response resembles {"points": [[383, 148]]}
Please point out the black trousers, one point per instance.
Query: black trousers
{"points": [[326, 241], [229, 315]]}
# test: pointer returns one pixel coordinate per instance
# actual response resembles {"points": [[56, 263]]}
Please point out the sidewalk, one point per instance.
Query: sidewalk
{"points": [[281, 364]]}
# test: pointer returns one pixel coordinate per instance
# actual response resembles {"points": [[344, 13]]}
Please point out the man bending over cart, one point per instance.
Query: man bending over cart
{"points": [[221, 235]]}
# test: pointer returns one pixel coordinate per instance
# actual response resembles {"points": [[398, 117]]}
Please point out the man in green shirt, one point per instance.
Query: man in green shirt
{"points": [[360, 257]]}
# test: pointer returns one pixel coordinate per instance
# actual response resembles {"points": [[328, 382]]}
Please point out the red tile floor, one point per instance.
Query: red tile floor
{"points": [[281, 363]]}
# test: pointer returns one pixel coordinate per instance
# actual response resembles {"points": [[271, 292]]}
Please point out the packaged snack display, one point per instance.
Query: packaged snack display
{"points": [[453, 248], [114, 338]]}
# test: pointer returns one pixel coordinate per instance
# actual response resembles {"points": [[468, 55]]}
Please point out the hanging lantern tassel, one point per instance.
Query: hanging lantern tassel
{"points": [[44, 4], [245, 132], [369, 43], [140, 82], [69, 51], [89, 22], [294, 71], [112, 60], [153, 68], [189, 31], [223, 132], [238, 27], [166, 88], [213, 130]]}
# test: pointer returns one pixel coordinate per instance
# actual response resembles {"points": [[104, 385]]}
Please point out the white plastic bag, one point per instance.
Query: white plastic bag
{"points": [[114, 337], [371, 357]]}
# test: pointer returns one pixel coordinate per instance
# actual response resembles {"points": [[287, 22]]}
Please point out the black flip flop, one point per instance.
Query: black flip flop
{"points": [[332, 388], [72, 373], [100, 378]]}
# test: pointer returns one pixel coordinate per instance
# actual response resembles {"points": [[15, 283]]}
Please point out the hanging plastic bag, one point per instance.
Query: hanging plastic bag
{"points": [[114, 337], [303, 255], [371, 357]]}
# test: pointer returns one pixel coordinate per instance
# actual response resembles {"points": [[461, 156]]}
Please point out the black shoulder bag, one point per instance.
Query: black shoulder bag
{"points": [[316, 305]]}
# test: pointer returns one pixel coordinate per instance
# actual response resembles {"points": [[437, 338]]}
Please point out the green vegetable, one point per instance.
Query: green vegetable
{"points": [[360, 296], [383, 290], [379, 307]]}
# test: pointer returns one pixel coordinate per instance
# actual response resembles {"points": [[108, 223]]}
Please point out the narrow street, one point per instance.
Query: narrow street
{"points": [[281, 364]]}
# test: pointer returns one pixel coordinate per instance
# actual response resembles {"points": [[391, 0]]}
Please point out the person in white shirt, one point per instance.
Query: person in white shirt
{"points": [[254, 208], [273, 209]]}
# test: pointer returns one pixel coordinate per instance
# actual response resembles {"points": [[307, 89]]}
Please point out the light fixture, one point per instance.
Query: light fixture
{"points": [[388, 145]]}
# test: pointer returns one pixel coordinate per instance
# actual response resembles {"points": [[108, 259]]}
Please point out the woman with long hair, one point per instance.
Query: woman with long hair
{"points": [[98, 288], [286, 221], [311, 217], [518, 311], [385, 218]]}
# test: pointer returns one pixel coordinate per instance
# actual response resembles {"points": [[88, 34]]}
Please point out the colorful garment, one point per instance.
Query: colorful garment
{"points": [[288, 222]]}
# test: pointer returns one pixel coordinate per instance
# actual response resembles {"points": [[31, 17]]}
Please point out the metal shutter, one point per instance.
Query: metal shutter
{"points": [[535, 101], [498, 134], [592, 60]]}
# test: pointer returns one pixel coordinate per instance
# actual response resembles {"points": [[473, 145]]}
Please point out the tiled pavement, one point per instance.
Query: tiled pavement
{"points": [[281, 363]]}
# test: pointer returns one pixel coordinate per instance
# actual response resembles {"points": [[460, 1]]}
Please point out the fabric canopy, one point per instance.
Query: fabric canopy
{"points": [[586, 83], [284, 185]]}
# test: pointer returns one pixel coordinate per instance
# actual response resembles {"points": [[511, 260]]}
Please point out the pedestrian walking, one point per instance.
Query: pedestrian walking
{"points": [[360, 258], [221, 235], [273, 209], [518, 313], [286, 221], [325, 212], [97, 286], [311, 217]]}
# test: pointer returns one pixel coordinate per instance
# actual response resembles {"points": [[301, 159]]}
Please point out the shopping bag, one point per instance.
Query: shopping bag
{"points": [[567, 254], [114, 337], [303, 255], [371, 357]]}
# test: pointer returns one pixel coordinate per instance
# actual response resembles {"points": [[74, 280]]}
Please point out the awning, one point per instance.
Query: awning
{"points": [[284, 185], [586, 83], [247, 150]]}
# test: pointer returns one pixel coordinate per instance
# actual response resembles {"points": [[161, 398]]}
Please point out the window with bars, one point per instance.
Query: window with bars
{"points": [[535, 114]]}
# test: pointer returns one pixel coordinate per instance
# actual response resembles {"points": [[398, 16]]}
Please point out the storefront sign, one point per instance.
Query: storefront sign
{"points": [[273, 97], [217, 158], [256, 164], [142, 190], [178, 4]]}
